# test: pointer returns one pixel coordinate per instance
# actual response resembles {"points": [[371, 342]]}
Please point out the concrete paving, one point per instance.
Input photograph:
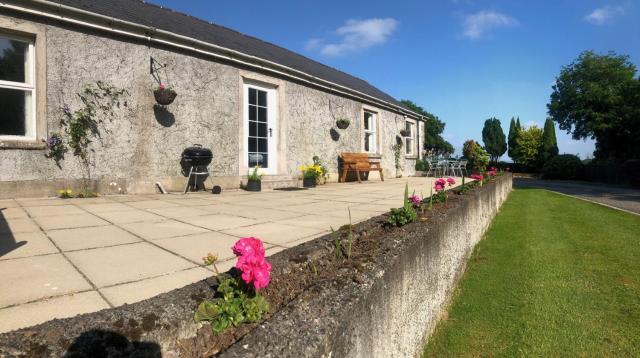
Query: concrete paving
{"points": [[626, 199], [60, 258]]}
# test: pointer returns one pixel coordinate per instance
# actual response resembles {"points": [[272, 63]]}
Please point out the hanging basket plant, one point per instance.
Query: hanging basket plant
{"points": [[164, 95], [405, 132], [343, 123]]}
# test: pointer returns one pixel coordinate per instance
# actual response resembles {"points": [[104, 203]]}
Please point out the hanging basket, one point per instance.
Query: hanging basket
{"points": [[342, 123], [164, 96], [405, 133]]}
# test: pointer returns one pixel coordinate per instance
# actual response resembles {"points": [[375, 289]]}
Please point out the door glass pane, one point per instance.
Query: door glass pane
{"points": [[262, 98], [12, 112], [262, 130], [253, 129], [252, 113], [262, 145], [262, 114], [253, 145], [252, 96], [264, 160], [13, 55]]}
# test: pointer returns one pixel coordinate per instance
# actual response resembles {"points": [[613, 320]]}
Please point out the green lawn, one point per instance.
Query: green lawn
{"points": [[554, 276]]}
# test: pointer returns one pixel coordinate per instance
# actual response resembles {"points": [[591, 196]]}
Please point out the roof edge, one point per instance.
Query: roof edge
{"points": [[89, 19]]}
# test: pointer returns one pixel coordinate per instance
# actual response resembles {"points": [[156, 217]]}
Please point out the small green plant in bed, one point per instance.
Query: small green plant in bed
{"points": [[337, 240], [404, 215], [237, 299]]}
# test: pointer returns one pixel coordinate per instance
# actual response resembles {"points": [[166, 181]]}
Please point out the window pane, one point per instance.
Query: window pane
{"points": [[262, 114], [366, 142], [252, 113], [264, 160], [262, 98], [252, 96], [253, 145], [407, 146], [13, 55], [367, 120], [262, 144], [262, 130], [253, 160], [253, 129], [12, 112]]}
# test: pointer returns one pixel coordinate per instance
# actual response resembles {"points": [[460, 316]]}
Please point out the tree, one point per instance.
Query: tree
{"points": [[549, 147], [494, 140], [433, 130], [513, 134], [598, 97], [476, 155], [528, 148]]}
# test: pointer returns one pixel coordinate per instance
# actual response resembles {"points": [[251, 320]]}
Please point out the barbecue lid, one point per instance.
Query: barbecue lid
{"points": [[197, 151]]}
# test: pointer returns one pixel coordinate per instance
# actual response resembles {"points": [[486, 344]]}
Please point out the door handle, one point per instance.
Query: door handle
{"points": [[270, 132]]}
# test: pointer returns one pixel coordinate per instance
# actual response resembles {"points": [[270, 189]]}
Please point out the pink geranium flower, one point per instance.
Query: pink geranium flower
{"points": [[451, 181], [162, 86], [251, 262], [414, 199], [439, 184], [476, 176]]}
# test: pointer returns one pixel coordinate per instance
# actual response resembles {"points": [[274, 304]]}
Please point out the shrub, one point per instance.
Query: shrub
{"points": [[422, 165], [564, 166], [477, 156]]}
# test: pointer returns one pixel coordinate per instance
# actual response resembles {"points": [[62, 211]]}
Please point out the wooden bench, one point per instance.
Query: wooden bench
{"points": [[358, 162]]}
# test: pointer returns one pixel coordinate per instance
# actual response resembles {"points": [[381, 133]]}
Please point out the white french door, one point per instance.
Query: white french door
{"points": [[260, 128]]}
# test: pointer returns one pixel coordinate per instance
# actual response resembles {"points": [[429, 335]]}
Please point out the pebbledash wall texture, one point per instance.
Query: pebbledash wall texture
{"points": [[143, 143]]}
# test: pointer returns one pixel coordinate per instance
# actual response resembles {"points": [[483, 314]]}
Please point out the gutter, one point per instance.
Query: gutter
{"points": [[68, 14]]}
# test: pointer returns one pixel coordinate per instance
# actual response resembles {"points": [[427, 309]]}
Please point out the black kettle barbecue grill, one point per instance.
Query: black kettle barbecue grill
{"points": [[196, 158]]}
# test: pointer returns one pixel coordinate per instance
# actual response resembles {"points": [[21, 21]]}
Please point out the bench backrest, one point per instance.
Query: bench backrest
{"points": [[355, 157]]}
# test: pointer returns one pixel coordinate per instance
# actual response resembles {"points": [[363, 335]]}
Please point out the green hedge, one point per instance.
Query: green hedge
{"points": [[564, 166]]}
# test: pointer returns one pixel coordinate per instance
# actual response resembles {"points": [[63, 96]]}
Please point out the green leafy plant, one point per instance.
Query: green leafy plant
{"points": [[404, 215], [397, 156], [232, 306], [337, 240], [254, 175], [324, 171], [343, 123], [99, 103], [422, 165], [477, 156]]}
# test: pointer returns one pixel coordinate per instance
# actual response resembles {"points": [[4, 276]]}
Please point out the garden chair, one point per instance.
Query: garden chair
{"points": [[463, 167]]}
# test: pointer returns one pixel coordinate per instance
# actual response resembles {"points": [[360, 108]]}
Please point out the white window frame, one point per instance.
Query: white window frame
{"points": [[28, 86], [372, 131], [410, 141]]}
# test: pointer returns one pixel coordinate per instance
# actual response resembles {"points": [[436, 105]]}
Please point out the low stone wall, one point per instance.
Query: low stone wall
{"points": [[389, 311]]}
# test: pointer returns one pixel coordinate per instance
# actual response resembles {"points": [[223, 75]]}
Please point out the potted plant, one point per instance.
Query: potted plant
{"points": [[343, 123], [405, 132], [165, 95], [254, 180], [310, 175]]}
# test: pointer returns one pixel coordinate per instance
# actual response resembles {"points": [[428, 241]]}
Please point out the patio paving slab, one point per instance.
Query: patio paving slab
{"points": [[57, 307], [104, 207], [69, 221], [220, 221], [162, 229], [8, 203], [119, 264], [90, 237], [321, 222], [275, 233], [8, 226], [24, 245], [32, 278], [141, 290], [130, 215], [152, 204], [194, 247], [179, 212], [13, 213], [53, 210]]}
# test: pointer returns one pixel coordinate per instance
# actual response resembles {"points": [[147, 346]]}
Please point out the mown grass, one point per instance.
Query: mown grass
{"points": [[554, 276]]}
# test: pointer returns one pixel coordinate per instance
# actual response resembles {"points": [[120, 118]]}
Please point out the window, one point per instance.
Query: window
{"points": [[17, 88], [370, 138], [410, 139]]}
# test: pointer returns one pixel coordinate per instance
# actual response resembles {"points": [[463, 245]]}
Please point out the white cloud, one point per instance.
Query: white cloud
{"points": [[355, 35], [477, 25], [603, 15]]}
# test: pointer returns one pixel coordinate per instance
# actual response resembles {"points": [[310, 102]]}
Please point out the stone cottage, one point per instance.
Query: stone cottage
{"points": [[249, 101]]}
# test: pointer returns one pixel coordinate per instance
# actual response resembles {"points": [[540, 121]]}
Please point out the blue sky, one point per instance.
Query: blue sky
{"points": [[463, 60]]}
